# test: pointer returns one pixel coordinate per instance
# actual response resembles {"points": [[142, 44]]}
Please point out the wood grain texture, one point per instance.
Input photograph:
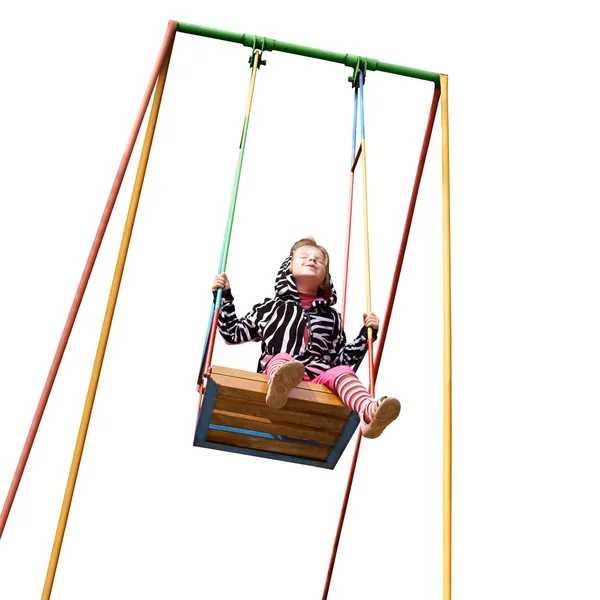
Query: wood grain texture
{"points": [[306, 397], [256, 423]]}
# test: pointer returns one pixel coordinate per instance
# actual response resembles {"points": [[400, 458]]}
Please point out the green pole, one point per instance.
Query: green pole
{"points": [[271, 45]]}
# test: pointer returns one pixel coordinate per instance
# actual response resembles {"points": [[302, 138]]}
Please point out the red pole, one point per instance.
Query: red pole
{"points": [[338, 533], [374, 368], [87, 271]]}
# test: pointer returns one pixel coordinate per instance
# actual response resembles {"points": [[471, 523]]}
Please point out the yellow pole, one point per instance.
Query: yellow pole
{"points": [[447, 344], [108, 316]]}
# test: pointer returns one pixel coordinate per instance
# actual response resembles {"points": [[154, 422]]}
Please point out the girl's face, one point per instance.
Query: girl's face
{"points": [[308, 268]]}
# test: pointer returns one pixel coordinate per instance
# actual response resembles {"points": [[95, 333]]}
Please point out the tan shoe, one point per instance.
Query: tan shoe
{"points": [[386, 410], [284, 380]]}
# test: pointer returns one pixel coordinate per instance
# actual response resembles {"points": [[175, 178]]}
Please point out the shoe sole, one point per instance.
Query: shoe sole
{"points": [[387, 412], [286, 378]]}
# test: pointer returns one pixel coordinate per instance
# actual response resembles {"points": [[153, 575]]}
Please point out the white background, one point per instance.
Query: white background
{"points": [[152, 516]]}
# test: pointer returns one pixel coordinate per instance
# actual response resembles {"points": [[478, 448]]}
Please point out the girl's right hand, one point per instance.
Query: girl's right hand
{"points": [[221, 281]]}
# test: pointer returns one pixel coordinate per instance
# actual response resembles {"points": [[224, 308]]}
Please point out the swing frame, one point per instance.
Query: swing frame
{"points": [[156, 86]]}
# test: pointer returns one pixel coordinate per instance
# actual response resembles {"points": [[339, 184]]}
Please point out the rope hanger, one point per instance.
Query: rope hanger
{"points": [[211, 330], [208, 348]]}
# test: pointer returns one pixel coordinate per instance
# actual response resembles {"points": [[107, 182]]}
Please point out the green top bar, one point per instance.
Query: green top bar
{"points": [[269, 44]]}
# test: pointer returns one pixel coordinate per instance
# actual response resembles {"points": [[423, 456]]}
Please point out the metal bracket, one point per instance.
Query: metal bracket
{"points": [[261, 50], [361, 65]]}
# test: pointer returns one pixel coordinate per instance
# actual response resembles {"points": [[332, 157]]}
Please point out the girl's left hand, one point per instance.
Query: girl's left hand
{"points": [[371, 320]]}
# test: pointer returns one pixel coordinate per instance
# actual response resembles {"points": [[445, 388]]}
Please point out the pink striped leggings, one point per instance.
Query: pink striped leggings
{"points": [[342, 380]]}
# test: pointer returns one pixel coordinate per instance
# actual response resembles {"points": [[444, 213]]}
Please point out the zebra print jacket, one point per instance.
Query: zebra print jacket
{"points": [[279, 323]]}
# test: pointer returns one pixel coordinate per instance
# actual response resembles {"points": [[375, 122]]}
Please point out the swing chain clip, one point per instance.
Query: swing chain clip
{"points": [[201, 386], [257, 49], [360, 66]]}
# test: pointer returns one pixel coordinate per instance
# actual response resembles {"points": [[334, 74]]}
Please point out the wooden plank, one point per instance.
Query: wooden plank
{"points": [[333, 424], [261, 385], [249, 441], [254, 423], [301, 400], [304, 385]]}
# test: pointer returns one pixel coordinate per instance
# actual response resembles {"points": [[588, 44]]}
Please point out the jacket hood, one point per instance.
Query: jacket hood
{"points": [[286, 288]]}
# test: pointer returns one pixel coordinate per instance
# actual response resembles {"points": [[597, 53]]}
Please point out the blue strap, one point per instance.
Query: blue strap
{"points": [[354, 127]]}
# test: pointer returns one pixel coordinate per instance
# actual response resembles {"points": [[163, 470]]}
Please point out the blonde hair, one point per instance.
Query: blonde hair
{"points": [[309, 241]]}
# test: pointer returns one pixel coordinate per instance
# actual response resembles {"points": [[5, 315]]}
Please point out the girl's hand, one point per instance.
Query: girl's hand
{"points": [[221, 281], [371, 320]]}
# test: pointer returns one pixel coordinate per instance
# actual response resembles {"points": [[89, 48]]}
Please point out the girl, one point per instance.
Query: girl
{"points": [[302, 337]]}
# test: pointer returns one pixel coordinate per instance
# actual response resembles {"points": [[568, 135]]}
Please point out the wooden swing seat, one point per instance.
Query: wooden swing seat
{"points": [[313, 428]]}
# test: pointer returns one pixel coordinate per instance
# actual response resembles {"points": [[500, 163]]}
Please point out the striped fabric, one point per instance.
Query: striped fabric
{"points": [[354, 394], [279, 323]]}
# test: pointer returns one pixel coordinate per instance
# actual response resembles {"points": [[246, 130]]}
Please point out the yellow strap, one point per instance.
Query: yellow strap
{"points": [[363, 145], [108, 316]]}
